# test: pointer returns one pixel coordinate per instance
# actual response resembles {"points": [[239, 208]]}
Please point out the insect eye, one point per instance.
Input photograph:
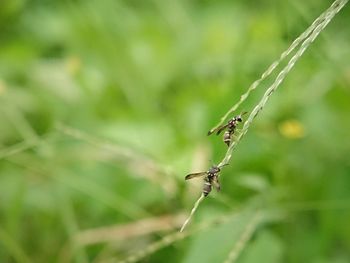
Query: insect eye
{"points": [[239, 119]]}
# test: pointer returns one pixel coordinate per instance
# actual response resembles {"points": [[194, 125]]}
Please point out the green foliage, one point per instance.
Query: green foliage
{"points": [[266, 248], [105, 106]]}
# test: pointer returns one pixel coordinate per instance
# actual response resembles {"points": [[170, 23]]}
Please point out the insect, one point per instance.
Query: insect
{"points": [[211, 179], [231, 126]]}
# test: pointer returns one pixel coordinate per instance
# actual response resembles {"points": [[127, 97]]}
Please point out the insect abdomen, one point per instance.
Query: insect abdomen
{"points": [[227, 138], [206, 188]]}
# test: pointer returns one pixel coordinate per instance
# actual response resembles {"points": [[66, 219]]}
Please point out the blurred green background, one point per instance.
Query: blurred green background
{"points": [[105, 106]]}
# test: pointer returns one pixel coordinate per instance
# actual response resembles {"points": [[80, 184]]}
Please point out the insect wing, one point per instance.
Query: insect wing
{"points": [[218, 129], [216, 183], [193, 175]]}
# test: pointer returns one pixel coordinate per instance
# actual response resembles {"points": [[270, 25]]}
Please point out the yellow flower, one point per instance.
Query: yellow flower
{"points": [[292, 129]]}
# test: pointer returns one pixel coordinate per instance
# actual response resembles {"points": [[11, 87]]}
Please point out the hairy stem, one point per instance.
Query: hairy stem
{"points": [[192, 212]]}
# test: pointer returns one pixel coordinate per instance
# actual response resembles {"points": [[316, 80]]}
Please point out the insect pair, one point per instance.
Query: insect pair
{"points": [[230, 127], [211, 178]]}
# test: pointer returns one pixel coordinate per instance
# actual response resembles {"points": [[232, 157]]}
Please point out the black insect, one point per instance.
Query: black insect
{"points": [[211, 179], [231, 126]]}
